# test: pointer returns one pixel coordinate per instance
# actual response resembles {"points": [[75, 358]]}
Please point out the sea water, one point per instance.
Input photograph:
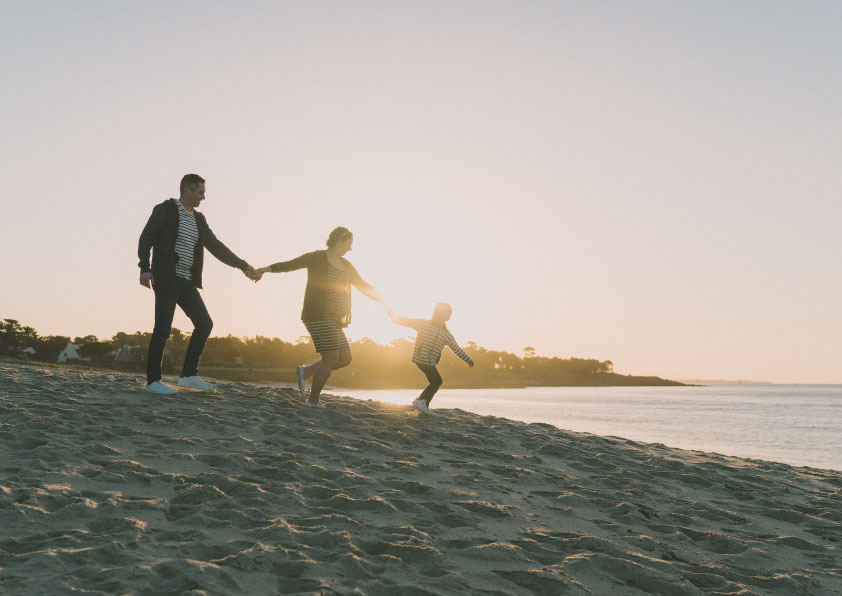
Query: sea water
{"points": [[800, 425]]}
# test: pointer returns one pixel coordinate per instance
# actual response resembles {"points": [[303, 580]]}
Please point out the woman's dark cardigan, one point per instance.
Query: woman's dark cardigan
{"points": [[315, 296]]}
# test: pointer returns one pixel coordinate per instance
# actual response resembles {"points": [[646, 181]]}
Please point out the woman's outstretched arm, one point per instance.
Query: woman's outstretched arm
{"points": [[365, 288], [284, 266]]}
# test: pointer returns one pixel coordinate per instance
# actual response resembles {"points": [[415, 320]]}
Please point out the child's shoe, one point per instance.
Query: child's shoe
{"points": [[421, 406]]}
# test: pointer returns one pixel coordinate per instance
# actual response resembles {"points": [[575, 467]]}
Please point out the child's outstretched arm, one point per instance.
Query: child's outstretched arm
{"points": [[403, 321], [459, 351]]}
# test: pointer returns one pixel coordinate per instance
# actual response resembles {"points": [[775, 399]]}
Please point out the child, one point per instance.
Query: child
{"points": [[433, 335]]}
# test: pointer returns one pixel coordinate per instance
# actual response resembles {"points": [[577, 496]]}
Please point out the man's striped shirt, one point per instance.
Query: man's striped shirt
{"points": [[431, 341], [185, 244]]}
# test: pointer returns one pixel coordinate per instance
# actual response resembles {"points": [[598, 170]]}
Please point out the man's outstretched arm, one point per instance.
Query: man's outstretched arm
{"points": [[224, 254]]}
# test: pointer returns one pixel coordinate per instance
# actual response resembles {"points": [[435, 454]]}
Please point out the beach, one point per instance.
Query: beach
{"points": [[105, 489]]}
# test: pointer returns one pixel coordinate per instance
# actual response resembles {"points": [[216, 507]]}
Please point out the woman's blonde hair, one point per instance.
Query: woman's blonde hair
{"points": [[337, 235]]}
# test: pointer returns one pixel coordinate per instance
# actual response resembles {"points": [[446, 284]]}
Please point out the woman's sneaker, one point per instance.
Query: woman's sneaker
{"points": [[302, 382], [160, 388], [315, 405], [195, 382]]}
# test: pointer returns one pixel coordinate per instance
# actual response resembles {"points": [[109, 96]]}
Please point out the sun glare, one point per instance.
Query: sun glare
{"points": [[370, 318], [411, 286]]}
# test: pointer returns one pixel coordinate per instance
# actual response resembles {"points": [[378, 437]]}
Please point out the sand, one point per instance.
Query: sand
{"points": [[105, 489]]}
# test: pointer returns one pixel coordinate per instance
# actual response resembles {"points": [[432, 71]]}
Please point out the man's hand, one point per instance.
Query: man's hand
{"points": [[470, 365], [252, 274], [146, 280]]}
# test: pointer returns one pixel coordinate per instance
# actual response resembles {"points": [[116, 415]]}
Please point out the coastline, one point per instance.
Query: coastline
{"points": [[107, 488], [348, 381]]}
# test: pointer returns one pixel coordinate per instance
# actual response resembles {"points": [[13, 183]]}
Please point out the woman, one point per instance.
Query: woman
{"points": [[327, 307]]}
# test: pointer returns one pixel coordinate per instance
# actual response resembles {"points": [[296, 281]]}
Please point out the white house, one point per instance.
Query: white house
{"points": [[127, 352], [70, 352]]}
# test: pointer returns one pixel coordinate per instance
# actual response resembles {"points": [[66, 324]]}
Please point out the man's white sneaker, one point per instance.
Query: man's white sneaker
{"points": [[195, 382], [160, 388], [316, 405], [302, 383]]}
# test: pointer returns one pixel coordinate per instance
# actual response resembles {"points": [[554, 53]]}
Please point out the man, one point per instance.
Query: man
{"points": [[177, 234]]}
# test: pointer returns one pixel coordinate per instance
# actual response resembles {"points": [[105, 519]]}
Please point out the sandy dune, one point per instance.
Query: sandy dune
{"points": [[105, 489]]}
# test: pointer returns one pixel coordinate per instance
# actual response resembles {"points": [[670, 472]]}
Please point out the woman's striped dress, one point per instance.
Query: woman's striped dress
{"points": [[327, 334]]}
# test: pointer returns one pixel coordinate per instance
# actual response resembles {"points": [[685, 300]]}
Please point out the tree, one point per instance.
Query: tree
{"points": [[96, 350], [223, 350], [50, 347], [265, 352], [15, 337], [374, 365]]}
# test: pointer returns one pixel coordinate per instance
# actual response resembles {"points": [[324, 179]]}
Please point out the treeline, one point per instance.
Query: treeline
{"points": [[272, 359]]}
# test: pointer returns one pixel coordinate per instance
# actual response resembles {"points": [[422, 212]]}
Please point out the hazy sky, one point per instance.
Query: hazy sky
{"points": [[654, 183]]}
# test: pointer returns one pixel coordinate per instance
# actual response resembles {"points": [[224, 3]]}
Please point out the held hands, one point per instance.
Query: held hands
{"points": [[393, 315], [147, 280], [253, 274]]}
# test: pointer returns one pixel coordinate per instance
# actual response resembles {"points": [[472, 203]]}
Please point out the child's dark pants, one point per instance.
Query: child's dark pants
{"points": [[435, 380]]}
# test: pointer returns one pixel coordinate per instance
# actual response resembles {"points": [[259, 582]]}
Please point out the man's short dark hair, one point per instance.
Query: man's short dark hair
{"points": [[190, 180]]}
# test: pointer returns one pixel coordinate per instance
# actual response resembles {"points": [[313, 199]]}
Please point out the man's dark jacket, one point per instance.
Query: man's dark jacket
{"points": [[160, 235]]}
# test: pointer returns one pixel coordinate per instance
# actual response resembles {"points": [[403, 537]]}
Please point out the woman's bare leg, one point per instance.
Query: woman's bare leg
{"points": [[321, 373], [344, 359], [309, 369]]}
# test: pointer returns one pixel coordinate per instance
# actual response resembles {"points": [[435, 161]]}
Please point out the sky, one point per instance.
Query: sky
{"points": [[651, 183]]}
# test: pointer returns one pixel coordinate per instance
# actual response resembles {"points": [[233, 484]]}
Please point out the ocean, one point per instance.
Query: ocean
{"points": [[800, 425]]}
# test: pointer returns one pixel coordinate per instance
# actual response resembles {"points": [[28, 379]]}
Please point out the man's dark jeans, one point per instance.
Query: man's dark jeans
{"points": [[182, 293], [434, 378]]}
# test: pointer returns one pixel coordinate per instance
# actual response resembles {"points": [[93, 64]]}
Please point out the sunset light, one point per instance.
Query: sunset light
{"points": [[589, 180], [398, 298]]}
